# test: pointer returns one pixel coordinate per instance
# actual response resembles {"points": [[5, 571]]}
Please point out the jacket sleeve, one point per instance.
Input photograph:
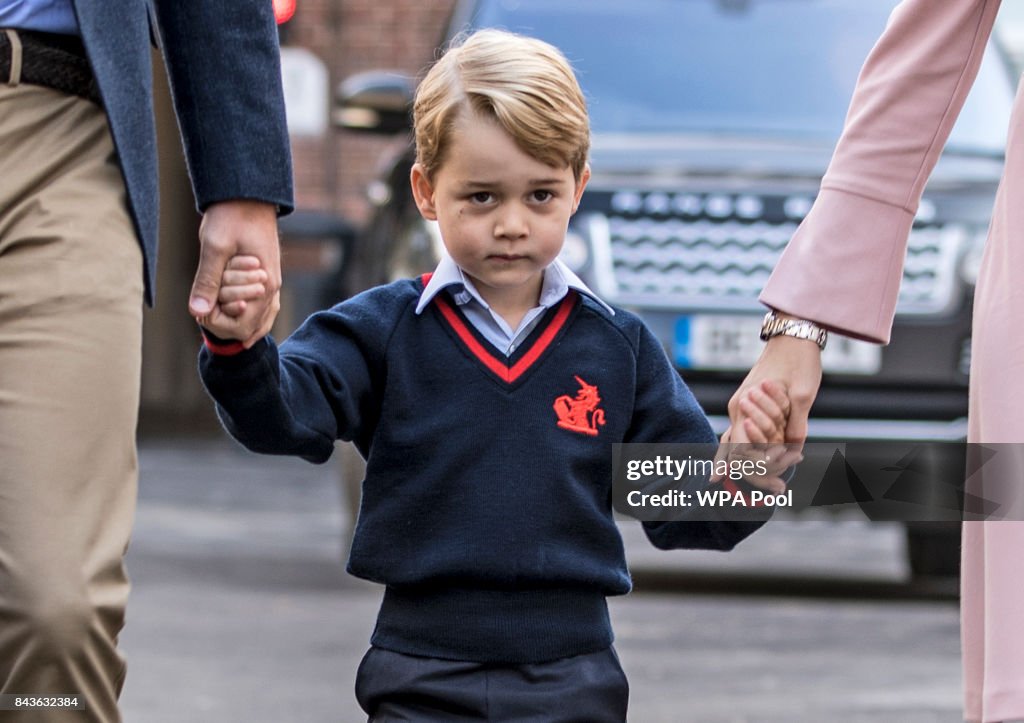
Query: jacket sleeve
{"points": [[666, 412], [223, 62], [324, 383], [843, 266]]}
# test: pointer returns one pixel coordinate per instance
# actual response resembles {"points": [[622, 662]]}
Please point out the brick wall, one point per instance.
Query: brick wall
{"points": [[349, 36]]}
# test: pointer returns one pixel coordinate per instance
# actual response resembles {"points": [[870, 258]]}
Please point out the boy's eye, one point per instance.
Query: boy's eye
{"points": [[542, 195], [481, 197]]}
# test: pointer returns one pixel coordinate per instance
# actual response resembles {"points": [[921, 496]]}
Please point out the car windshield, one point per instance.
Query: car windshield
{"points": [[783, 68]]}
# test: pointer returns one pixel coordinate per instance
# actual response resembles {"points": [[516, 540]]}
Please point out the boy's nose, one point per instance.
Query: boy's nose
{"points": [[511, 223]]}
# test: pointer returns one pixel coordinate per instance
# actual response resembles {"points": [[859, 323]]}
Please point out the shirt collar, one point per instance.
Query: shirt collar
{"points": [[446, 274], [558, 280]]}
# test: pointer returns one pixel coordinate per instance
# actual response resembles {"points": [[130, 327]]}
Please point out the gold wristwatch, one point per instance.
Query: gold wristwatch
{"points": [[774, 325]]}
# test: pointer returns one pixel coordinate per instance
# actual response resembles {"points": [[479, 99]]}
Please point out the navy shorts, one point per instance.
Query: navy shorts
{"points": [[587, 688]]}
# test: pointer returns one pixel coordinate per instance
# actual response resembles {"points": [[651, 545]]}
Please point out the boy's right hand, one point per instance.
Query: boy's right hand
{"points": [[766, 410], [243, 281]]}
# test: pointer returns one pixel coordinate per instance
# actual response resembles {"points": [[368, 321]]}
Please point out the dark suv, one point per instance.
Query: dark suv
{"points": [[713, 122]]}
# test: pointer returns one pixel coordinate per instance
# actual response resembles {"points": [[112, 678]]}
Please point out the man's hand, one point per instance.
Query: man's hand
{"points": [[233, 228]]}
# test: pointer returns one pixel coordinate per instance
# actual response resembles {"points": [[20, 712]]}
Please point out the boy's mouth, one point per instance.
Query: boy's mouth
{"points": [[507, 257]]}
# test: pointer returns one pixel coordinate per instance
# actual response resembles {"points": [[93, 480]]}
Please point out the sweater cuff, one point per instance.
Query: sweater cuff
{"points": [[221, 347]]}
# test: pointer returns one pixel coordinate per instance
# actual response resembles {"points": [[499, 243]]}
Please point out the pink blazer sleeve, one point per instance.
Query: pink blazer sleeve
{"points": [[843, 266]]}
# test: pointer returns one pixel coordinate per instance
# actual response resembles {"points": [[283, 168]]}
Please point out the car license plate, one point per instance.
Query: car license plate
{"points": [[731, 342]]}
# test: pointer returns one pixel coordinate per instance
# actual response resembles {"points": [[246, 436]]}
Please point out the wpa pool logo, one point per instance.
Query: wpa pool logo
{"points": [[580, 413]]}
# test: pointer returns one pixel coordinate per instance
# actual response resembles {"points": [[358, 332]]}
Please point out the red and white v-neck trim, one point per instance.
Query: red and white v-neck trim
{"points": [[499, 367]]}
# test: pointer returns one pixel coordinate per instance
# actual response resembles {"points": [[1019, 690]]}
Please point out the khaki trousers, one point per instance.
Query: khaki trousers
{"points": [[70, 356]]}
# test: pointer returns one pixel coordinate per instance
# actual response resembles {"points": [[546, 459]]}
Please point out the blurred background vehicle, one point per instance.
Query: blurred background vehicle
{"points": [[1010, 31], [713, 122]]}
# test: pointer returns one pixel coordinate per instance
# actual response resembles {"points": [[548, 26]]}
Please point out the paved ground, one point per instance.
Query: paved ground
{"points": [[241, 611]]}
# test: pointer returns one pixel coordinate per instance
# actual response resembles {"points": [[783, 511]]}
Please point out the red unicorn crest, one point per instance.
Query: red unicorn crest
{"points": [[580, 414]]}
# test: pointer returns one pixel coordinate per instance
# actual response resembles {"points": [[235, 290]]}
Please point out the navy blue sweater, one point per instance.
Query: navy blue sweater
{"points": [[486, 507]]}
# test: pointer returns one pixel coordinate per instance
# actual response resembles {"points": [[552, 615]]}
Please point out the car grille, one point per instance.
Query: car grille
{"points": [[692, 251]]}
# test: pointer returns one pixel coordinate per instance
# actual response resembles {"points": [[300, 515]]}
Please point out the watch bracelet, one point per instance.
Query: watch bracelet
{"points": [[798, 328]]}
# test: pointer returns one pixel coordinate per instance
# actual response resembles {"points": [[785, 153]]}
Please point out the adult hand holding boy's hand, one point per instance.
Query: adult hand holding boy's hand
{"points": [[774, 459], [757, 441], [229, 229], [242, 285], [795, 364]]}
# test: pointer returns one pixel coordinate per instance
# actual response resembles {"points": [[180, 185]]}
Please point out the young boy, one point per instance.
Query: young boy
{"points": [[485, 398]]}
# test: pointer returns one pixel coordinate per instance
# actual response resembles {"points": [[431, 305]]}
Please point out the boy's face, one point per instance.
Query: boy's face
{"points": [[503, 214]]}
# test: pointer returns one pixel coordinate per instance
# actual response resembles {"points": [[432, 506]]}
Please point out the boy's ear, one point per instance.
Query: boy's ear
{"points": [[580, 185], [423, 192]]}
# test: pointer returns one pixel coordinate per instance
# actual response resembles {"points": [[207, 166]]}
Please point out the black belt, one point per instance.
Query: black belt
{"points": [[56, 61]]}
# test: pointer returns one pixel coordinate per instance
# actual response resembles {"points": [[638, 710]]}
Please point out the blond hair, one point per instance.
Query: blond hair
{"points": [[526, 85]]}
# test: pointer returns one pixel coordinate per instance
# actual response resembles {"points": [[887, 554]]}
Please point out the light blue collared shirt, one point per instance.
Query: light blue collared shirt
{"points": [[49, 16], [558, 279]]}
